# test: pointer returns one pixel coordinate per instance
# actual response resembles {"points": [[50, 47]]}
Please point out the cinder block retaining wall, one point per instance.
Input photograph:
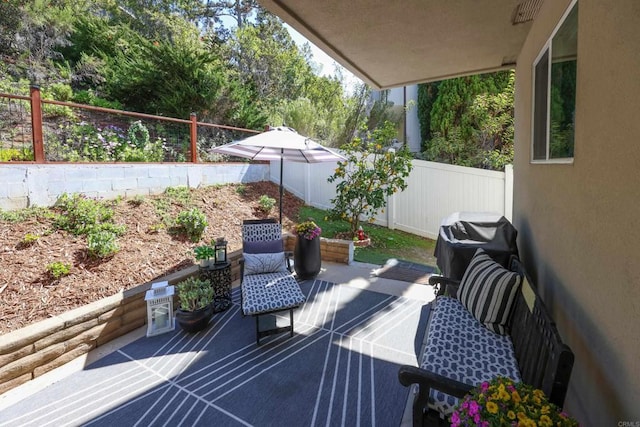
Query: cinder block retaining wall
{"points": [[26, 185], [38, 348]]}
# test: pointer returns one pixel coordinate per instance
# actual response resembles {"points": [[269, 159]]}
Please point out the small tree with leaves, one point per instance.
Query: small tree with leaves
{"points": [[372, 171]]}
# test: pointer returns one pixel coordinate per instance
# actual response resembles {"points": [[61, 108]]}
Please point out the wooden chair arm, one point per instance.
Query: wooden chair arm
{"points": [[426, 381], [444, 285]]}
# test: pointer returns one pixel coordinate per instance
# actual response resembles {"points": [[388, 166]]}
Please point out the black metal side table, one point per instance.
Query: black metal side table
{"points": [[220, 277]]}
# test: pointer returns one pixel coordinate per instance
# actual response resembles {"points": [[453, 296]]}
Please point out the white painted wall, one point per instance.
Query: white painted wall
{"points": [[25, 185]]}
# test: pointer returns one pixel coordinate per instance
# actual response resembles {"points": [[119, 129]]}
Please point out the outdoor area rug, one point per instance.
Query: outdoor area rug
{"points": [[406, 271], [340, 368]]}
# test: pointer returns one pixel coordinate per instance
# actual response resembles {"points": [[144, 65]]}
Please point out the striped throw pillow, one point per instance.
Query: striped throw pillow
{"points": [[488, 291]]}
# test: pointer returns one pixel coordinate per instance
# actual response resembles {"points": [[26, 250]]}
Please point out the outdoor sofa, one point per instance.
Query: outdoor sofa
{"points": [[490, 323]]}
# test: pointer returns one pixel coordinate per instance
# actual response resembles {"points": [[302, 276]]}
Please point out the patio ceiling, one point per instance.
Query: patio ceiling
{"points": [[397, 43]]}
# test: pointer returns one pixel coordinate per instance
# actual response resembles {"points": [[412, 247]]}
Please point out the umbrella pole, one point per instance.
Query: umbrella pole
{"points": [[281, 187]]}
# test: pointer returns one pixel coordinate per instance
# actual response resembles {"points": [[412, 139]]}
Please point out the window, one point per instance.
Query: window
{"points": [[554, 93]]}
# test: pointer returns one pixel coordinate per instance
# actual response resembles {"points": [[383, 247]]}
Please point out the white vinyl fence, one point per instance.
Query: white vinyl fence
{"points": [[434, 192]]}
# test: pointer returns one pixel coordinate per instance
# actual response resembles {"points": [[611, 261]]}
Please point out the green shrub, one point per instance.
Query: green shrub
{"points": [[58, 269], [241, 189], [194, 293], [179, 195], [80, 215], [14, 154], [22, 215], [193, 222], [30, 239], [60, 91], [102, 244], [266, 203]]}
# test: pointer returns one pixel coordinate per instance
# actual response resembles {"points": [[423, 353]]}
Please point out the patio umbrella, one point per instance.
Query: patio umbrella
{"points": [[280, 143]]}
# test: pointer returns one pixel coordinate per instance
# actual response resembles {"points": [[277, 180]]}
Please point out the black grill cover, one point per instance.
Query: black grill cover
{"points": [[462, 233]]}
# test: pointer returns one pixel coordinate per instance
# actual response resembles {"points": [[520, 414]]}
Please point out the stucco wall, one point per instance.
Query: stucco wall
{"points": [[24, 185], [578, 223]]}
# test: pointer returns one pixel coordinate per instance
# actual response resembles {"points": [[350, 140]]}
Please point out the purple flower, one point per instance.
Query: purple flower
{"points": [[474, 408], [455, 419]]}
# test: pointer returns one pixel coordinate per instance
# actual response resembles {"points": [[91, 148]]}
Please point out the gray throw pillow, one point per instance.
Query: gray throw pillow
{"points": [[264, 263], [488, 291]]}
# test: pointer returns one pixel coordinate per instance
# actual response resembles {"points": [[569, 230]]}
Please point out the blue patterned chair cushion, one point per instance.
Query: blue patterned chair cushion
{"points": [[262, 293], [261, 232], [461, 348]]}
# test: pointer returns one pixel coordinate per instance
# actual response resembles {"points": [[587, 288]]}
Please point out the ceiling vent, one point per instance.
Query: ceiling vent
{"points": [[526, 11]]}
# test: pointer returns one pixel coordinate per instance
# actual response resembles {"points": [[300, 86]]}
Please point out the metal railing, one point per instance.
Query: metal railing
{"points": [[43, 131]]}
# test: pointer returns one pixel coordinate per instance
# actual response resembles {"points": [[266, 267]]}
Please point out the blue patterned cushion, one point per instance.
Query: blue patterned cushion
{"points": [[263, 247], [460, 348], [264, 263], [262, 293], [488, 291]]}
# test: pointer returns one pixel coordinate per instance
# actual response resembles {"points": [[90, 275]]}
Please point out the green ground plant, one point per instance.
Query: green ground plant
{"points": [[266, 203], [193, 222], [80, 215], [58, 269], [29, 239], [102, 244]]}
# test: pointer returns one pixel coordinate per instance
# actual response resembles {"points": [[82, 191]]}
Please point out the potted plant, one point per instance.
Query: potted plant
{"points": [[195, 297], [502, 402], [203, 254], [307, 259]]}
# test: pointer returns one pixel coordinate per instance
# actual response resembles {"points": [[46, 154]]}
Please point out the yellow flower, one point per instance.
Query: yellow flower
{"points": [[545, 409], [492, 407], [516, 396], [503, 395], [545, 421], [511, 415]]}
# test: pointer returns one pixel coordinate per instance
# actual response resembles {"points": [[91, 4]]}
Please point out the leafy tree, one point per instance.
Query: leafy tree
{"points": [[371, 172], [11, 16], [427, 94], [471, 120]]}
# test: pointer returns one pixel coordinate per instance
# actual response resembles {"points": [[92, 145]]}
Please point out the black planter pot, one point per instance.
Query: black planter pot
{"points": [[194, 321], [306, 258]]}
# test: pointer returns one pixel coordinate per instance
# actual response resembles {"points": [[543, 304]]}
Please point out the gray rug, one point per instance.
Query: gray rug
{"points": [[406, 271], [340, 368]]}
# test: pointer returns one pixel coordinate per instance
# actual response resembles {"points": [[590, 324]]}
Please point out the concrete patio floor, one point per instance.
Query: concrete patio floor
{"points": [[357, 275]]}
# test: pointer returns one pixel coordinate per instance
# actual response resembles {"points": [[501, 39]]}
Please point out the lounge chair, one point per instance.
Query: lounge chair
{"points": [[267, 284]]}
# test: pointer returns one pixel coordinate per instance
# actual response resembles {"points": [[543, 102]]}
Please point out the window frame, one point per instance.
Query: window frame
{"points": [[547, 49]]}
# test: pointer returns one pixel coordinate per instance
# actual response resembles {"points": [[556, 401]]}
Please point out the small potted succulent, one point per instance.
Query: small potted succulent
{"points": [[195, 310], [203, 254]]}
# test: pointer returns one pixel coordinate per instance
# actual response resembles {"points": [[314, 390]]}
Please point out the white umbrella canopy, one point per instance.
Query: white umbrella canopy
{"points": [[283, 144]]}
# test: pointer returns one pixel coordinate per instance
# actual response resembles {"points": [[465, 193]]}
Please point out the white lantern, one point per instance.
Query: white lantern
{"points": [[160, 308]]}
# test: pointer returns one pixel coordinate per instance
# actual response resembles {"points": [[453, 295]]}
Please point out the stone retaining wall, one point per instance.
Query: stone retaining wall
{"points": [[36, 349]]}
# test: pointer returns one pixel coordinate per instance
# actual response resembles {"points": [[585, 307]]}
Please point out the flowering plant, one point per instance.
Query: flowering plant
{"points": [[308, 229], [501, 402]]}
